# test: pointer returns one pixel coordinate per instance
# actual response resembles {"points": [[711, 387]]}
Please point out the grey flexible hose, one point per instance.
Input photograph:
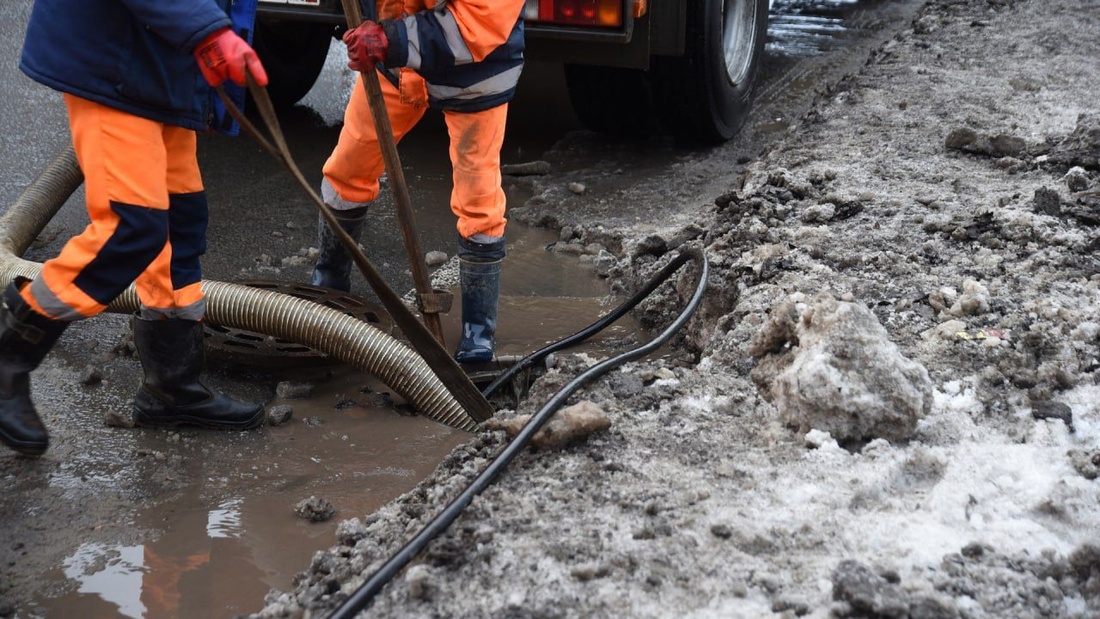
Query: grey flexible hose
{"points": [[243, 307]]}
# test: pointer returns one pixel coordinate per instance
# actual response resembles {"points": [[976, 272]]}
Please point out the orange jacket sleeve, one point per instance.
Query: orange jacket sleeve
{"points": [[485, 24]]}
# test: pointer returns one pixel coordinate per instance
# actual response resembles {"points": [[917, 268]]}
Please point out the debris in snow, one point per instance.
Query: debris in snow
{"points": [[816, 439], [1053, 410], [566, 426], [829, 365], [115, 419], [1082, 147], [1000, 145], [1077, 179], [973, 301], [867, 593], [1087, 463], [1047, 202], [91, 376]]}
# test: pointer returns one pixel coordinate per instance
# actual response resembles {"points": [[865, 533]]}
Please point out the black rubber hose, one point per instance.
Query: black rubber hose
{"points": [[595, 327], [366, 592]]}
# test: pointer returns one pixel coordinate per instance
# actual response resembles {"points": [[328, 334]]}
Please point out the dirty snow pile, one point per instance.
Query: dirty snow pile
{"points": [[888, 404]]}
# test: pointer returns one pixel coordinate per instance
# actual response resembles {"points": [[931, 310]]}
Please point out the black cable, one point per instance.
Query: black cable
{"points": [[592, 329], [366, 592]]}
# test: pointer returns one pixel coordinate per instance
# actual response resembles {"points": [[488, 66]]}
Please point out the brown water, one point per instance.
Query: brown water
{"points": [[223, 542], [216, 548]]}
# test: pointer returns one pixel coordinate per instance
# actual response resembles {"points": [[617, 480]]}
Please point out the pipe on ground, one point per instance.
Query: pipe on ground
{"points": [[242, 307]]}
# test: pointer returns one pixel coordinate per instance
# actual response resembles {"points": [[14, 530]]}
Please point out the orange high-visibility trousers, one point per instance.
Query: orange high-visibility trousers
{"points": [[148, 212], [356, 164]]}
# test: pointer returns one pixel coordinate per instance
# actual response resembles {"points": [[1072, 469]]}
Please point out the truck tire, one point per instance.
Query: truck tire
{"points": [[610, 100], [704, 97], [293, 54]]}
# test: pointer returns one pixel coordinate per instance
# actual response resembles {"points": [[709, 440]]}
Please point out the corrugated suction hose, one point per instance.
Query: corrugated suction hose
{"points": [[242, 307]]}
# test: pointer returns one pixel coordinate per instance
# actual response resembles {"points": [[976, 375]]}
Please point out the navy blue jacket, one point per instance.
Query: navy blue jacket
{"points": [[455, 81], [461, 75], [132, 55]]}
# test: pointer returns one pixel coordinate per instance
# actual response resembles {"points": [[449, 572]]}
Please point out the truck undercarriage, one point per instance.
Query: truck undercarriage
{"points": [[632, 67]]}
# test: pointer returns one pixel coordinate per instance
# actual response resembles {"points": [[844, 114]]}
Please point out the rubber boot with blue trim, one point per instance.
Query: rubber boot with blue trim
{"points": [[479, 261], [25, 338]]}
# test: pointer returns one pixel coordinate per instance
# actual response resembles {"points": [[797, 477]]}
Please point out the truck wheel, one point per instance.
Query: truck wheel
{"points": [[610, 100], [705, 95], [293, 54]]}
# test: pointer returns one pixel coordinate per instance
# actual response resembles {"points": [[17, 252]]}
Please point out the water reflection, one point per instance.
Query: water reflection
{"points": [[112, 573], [184, 573], [226, 520]]}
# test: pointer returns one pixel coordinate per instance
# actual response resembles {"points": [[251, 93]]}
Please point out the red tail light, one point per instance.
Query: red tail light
{"points": [[605, 13]]}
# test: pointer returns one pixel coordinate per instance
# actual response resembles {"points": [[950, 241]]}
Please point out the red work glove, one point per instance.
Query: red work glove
{"points": [[367, 46], [224, 56]]}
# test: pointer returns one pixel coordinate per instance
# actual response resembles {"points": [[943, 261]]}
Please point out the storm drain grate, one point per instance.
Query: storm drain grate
{"points": [[257, 349]]}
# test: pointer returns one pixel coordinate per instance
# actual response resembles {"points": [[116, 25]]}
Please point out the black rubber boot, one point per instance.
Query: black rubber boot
{"points": [[479, 273], [25, 338], [172, 356], [333, 268]]}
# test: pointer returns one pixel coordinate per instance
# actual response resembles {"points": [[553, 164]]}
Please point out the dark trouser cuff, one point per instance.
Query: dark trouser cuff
{"points": [[473, 251]]}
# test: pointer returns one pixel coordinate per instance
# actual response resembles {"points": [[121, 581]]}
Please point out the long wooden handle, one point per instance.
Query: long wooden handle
{"points": [[405, 216], [352, 13], [445, 367]]}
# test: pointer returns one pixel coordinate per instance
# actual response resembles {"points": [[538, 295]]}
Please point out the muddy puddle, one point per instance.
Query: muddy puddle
{"points": [[220, 543], [223, 540]]}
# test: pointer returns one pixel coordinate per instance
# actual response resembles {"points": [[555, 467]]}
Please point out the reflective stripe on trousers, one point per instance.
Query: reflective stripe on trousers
{"points": [[148, 215], [477, 199]]}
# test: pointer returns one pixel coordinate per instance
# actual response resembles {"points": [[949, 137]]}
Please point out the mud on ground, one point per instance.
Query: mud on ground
{"points": [[952, 188]]}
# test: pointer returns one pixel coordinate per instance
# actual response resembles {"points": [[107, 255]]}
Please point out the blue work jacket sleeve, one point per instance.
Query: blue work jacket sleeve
{"points": [[182, 24], [132, 55]]}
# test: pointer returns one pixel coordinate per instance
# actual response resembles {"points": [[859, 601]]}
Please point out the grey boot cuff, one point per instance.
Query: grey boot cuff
{"points": [[475, 251], [334, 201]]}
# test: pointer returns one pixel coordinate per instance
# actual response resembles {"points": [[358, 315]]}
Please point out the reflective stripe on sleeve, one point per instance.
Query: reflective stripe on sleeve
{"points": [[501, 82]]}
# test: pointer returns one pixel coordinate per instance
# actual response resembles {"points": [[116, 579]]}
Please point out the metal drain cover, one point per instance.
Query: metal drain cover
{"points": [[256, 349]]}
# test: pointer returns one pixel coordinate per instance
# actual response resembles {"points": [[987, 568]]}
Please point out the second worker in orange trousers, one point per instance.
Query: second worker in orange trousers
{"points": [[463, 57]]}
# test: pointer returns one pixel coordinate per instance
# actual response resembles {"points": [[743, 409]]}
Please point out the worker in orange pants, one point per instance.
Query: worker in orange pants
{"points": [[136, 78], [148, 220], [463, 57]]}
